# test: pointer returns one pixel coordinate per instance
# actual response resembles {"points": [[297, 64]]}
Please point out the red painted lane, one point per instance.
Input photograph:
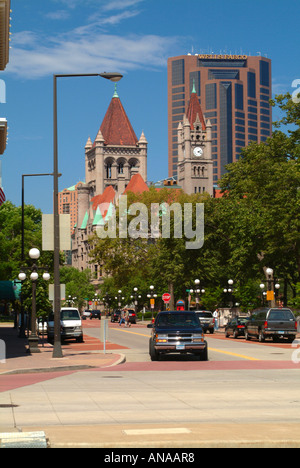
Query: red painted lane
{"points": [[11, 382]]}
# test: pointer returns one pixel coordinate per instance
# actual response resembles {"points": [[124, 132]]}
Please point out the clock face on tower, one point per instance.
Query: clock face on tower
{"points": [[198, 151]]}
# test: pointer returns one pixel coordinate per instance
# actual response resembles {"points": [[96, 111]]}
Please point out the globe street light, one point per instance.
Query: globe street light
{"points": [[34, 254]]}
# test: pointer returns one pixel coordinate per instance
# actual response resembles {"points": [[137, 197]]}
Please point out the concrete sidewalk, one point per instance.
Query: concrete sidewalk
{"points": [[18, 360]]}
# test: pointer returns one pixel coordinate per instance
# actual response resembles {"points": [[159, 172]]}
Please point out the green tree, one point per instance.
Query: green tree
{"points": [[78, 284]]}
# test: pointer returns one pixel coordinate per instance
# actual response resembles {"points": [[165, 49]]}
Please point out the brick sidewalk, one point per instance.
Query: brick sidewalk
{"points": [[75, 356]]}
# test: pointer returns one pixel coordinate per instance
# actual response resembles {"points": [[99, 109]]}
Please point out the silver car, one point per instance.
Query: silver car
{"points": [[207, 320]]}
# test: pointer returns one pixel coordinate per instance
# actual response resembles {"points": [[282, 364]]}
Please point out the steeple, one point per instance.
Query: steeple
{"points": [[116, 128], [194, 109]]}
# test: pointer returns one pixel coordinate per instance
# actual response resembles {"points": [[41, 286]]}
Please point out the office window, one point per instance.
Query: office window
{"points": [[181, 89], [239, 129], [239, 96], [264, 73], [264, 98], [265, 104], [251, 85], [225, 125], [178, 104], [211, 96], [178, 72]]}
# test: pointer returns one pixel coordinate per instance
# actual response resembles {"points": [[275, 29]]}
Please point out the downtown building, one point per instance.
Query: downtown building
{"points": [[234, 93], [5, 13]]}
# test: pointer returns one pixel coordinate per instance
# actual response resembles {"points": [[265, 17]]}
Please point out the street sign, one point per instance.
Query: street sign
{"points": [[166, 297], [270, 295]]}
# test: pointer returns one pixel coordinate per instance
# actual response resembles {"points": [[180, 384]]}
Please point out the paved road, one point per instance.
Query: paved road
{"points": [[135, 342], [247, 394]]}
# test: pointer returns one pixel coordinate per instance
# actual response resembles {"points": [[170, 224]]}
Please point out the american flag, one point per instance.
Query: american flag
{"points": [[2, 197]]}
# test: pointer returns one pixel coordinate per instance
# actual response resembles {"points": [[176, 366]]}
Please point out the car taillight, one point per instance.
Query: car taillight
{"points": [[266, 324], [241, 326], [296, 325]]}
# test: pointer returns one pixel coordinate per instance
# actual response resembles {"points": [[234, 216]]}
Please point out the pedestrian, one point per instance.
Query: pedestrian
{"points": [[122, 318], [216, 317], [127, 322]]}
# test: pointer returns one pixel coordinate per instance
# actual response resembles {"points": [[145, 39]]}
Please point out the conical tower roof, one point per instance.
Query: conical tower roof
{"points": [[116, 127], [194, 109]]}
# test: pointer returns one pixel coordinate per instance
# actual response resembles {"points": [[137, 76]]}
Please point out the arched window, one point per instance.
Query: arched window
{"points": [[108, 170]]}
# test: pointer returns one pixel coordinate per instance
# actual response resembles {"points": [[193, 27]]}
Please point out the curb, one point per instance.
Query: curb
{"points": [[75, 367]]}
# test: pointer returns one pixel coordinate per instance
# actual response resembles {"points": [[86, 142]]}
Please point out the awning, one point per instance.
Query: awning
{"points": [[7, 291], [2, 197], [3, 134]]}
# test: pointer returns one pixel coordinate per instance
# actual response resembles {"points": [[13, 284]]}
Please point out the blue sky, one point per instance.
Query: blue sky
{"points": [[134, 37]]}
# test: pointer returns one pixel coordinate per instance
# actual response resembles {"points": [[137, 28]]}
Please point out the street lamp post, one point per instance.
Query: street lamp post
{"points": [[57, 351], [152, 297], [34, 254], [22, 324]]}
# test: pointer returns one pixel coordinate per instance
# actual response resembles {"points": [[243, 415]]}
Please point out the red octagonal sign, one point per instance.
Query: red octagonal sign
{"points": [[166, 297]]}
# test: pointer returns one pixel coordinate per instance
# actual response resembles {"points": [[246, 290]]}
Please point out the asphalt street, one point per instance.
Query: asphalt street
{"points": [[247, 394]]}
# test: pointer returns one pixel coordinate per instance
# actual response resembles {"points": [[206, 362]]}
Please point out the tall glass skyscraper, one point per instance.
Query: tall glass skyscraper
{"points": [[234, 93]]}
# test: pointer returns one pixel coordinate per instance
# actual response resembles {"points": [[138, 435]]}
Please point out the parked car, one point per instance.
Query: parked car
{"points": [[177, 332], [236, 327], [115, 316], [276, 323], [132, 316], [95, 314], [207, 320], [71, 325], [86, 314]]}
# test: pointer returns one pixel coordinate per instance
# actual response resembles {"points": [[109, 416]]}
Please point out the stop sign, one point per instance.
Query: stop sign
{"points": [[166, 297]]}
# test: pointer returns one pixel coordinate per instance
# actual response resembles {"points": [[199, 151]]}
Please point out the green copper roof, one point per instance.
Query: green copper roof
{"points": [[115, 93], [98, 219], [85, 221], [194, 87]]}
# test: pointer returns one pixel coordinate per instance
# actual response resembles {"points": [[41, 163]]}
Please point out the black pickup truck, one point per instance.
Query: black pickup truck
{"points": [[177, 332], [276, 323]]}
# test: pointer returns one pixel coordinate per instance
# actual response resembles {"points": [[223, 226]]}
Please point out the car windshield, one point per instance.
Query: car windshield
{"points": [[178, 320], [204, 314], [243, 319], [69, 315], [284, 314]]}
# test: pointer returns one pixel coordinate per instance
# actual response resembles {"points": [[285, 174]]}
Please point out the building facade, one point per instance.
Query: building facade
{"points": [[115, 162], [68, 204], [5, 18], [195, 164], [234, 93]]}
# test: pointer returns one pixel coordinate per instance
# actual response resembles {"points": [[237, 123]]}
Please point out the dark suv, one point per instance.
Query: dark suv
{"points": [[177, 332], [95, 314], [272, 323]]}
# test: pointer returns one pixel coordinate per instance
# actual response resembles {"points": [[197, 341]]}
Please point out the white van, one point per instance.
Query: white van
{"points": [[71, 326]]}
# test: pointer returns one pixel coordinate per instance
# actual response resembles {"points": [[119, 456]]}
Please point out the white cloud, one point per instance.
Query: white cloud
{"points": [[120, 4], [88, 53], [88, 48], [58, 15]]}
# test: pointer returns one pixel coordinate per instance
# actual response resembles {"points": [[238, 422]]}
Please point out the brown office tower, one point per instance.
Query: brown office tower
{"points": [[234, 93]]}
